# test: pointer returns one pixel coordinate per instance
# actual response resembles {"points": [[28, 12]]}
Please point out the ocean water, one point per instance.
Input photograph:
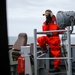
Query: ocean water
{"points": [[12, 40]]}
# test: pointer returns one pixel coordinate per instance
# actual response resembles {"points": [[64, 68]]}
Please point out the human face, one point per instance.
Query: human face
{"points": [[47, 13]]}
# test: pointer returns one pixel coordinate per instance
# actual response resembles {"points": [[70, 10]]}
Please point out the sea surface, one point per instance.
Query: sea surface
{"points": [[12, 40]]}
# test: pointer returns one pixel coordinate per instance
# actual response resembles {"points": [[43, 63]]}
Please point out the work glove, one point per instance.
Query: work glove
{"points": [[49, 34]]}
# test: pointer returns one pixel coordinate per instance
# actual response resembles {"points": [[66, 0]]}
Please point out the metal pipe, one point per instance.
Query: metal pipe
{"points": [[35, 53], [45, 32], [41, 55], [69, 52], [39, 52], [53, 58]]}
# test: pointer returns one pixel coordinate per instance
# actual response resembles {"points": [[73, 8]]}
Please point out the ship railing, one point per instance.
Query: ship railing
{"points": [[68, 58]]}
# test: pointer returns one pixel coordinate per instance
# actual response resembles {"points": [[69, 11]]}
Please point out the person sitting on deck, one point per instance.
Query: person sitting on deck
{"points": [[52, 39]]}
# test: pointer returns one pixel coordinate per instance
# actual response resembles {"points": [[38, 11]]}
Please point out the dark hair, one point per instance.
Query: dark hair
{"points": [[48, 19], [48, 10]]}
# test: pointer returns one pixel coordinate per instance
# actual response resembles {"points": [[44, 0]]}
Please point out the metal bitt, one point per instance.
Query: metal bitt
{"points": [[35, 52], [69, 52]]}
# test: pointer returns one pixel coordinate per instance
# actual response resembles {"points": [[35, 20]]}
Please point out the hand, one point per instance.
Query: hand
{"points": [[49, 34]]}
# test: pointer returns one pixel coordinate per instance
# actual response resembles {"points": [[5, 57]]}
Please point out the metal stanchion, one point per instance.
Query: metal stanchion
{"points": [[69, 52], [35, 52]]}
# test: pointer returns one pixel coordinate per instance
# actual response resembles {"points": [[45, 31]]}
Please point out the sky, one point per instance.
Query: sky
{"points": [[23, 16]]}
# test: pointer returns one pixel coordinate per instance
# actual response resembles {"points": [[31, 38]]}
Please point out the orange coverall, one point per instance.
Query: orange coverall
{"points": [[53, 41]]}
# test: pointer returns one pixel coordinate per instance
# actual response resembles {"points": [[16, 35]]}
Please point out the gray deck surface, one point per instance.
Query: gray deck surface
{"points": [[46, 72]]}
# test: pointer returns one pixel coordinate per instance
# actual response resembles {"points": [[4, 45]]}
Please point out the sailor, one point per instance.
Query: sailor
{"points": [[52, 39]]}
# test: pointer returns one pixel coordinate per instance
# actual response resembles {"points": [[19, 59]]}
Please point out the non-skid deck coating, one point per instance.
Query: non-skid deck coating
{"points": [[46, 72]]}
